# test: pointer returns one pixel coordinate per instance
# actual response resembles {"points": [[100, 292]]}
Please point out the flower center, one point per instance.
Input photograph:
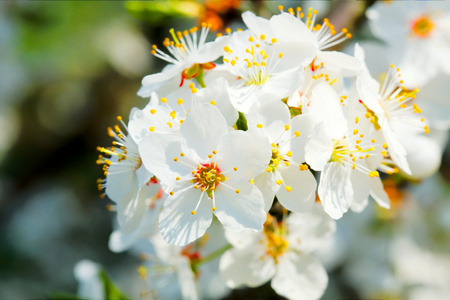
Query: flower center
{"points": [[207, 177], [275, 159], [274, 233], [422, 27]]}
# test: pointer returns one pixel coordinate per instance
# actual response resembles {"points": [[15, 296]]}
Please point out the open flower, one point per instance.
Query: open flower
{"points": [[420, 42], [264, 74], [208, 170], [286, 175], [390, 108], [189, 57], [341, 150], [281, 252]]}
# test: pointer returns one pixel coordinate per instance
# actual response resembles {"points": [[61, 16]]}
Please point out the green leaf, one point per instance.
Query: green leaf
{"points": [[111, 291], [159, 11], [241, 123]]}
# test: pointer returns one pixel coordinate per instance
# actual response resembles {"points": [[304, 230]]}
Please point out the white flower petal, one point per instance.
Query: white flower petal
{"points": [[239, 211], [258, 25], [244, 239], [266, 184], [158, 152], [344, 64], [335, 189], [300, 277], [361, 189], [304, 125], [176, 223], [318, 148], [218, 91], [201, 131], [246, 267], [247, 152], [303, 189], [310, 231], [325, 107], [151, 83], [186, 278], [378, 193], [273, 117]]}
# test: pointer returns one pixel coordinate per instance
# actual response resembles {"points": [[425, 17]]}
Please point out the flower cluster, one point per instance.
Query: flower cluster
{"points": [[230, 140]]}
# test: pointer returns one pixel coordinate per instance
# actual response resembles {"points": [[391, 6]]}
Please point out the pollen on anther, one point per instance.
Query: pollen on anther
{"points": [[163, 100], [238, 191], [153, 111], [171, 193], [175, 159], [119, 118], [280, 55], [288, 188], [259, 125], [385, 146], [214, 208], [286, 127], [279, 181], [289, 153], [152, 129], [178, 178], [297, 133], [235, 168], [193, 212], [355, 131], [212, 102], [210, 155], [252, 181]]}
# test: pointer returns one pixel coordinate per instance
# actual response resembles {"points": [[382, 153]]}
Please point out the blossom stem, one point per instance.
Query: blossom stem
{"points": [[213, 255]]}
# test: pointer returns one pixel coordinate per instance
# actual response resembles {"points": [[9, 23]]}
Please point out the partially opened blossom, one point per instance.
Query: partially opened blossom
{"points": [[340, 149], [286, 175], [189, 57], [208, 170], [282, 252], [128, 183]]}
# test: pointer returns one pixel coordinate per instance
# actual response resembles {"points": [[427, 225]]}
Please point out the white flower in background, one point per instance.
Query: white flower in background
{"points": [[286, 176], [166, 114], [127, 182], [264, 74], [282, 252], [90, 286], [390, 107], [189, 57], [190, 272], [208, 170], [342, 150], [417, 34]]}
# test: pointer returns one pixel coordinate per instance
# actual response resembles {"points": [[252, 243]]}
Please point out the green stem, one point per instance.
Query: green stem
{"points": [[213, 255], [199, 78]]}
